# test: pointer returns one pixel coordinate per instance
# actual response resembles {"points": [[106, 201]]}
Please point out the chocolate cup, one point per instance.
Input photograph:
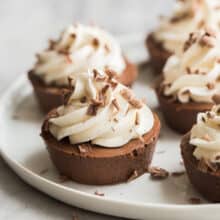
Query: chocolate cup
{"points": [[205, 182], [52, 96], [158, 54], [180, 116], [98, 165]]}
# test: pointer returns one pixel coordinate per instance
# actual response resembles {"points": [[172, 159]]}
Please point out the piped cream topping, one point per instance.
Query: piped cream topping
{"points": [[205, 135], [79, 48], [194, 74], [188, 16], [102, 111]]}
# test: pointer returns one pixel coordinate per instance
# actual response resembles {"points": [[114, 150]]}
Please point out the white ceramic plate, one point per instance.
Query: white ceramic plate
{"points": [[143, 198]]}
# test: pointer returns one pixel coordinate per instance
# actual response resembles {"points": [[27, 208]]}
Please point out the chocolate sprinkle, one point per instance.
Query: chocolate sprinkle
{"points": [[177, 174], [133, 176], [82, 149], [158, 173], [98, 193]]}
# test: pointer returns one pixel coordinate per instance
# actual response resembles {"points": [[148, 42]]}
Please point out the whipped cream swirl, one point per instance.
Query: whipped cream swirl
{"points": [[78, 49], [194, 75], [188, 16], [205, 135], [102, 111]]}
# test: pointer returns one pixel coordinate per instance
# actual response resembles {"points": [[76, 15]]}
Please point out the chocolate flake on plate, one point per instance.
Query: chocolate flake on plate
{"points": [[178, 173], [133, 176], [97, 193], [158, 173]]}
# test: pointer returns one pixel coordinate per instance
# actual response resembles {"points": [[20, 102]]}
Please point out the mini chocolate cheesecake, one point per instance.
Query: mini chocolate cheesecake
{"points": [[94, 165], [180, 116], [158, 54], [78, 49], [190, 82], [173, 30], [102, 134], [52, 96], [202, 162]]}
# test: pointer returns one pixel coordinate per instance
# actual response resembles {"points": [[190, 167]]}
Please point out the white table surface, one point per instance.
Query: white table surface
{"points": [[25, 26]]}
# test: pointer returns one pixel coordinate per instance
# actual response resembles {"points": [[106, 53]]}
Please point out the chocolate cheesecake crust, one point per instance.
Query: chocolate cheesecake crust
{"points": [[205, 182], [52, 96], [90, 164], [158, 54], [180, 116]]}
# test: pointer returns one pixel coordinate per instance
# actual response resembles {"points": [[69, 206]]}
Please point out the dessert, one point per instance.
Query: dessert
{"points": [[201, 154], [78, 49], [188, 16], [191, 81], [102, 134]]}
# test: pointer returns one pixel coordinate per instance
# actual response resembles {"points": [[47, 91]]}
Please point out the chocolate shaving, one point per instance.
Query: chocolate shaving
{"points": [[98, 193], [70, 82], [92, 109], [127, 94], [104, 89], [194, 200], [110, 73], [210, 32], [133, 176], [211, 166], [141, 139], [113, 83], [95, 42], [188, 70], [115, 120], [191, 40], [95, 73], [177, 174], [115, 104], [82, 150], [206, 41], [135, 103], [210, 86], [137, 119], [158, 173], [210, 115], [181, 17], [186, 92], [66, 94], [83, 99], [217, 157], [73, 35]]}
